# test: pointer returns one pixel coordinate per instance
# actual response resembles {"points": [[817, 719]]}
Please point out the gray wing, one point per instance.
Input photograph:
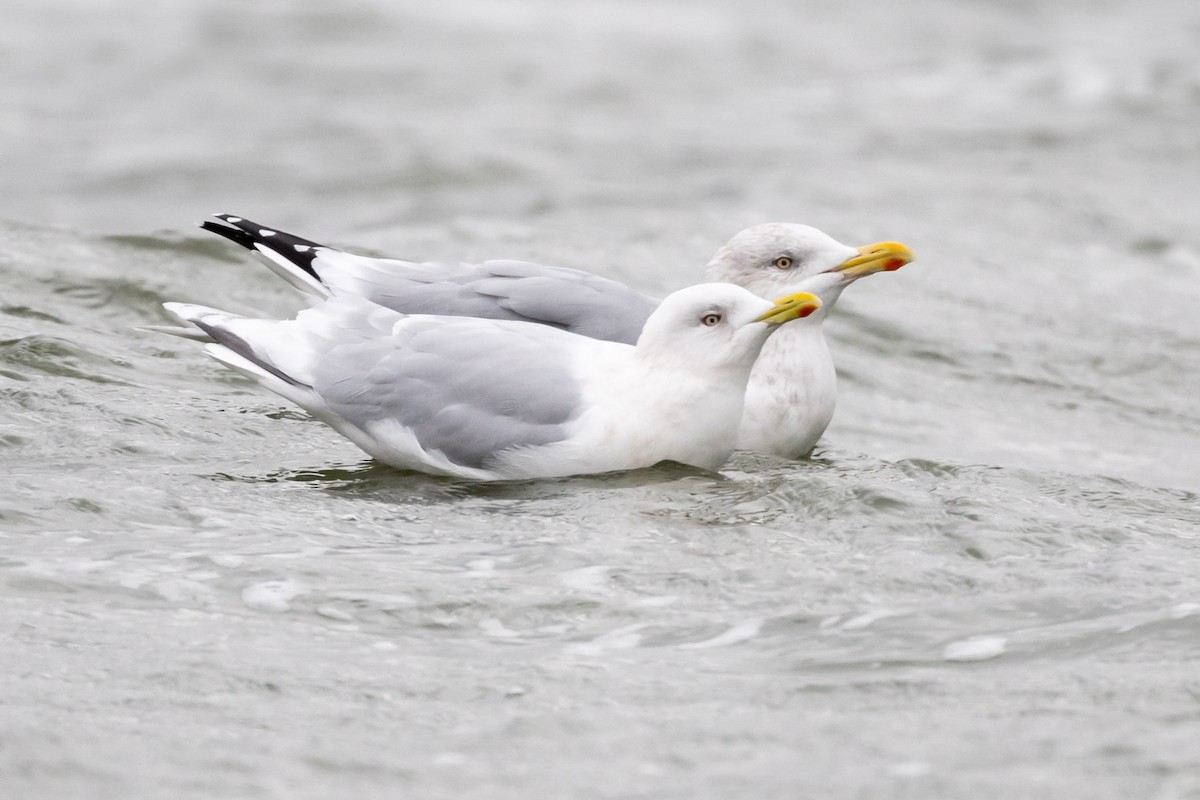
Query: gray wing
{"points": [[468, 388], [571, 299]]}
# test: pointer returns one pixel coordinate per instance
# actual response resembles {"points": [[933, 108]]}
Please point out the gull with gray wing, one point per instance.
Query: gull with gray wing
{"points": [[489, 399]]}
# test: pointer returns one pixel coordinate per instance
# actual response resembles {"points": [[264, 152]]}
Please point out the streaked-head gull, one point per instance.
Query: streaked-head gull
{"points": [[792, 391], [493, 399]]}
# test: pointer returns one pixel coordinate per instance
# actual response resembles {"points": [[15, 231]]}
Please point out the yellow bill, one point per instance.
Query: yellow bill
{"points": [[793, 306], [872, 258]]}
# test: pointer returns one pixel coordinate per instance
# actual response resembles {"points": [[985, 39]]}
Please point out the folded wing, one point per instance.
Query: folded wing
{"points": [[427, 392], [570, 299]]}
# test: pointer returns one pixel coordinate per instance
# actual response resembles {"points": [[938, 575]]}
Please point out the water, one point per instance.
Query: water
{"points": [[983, 585]]}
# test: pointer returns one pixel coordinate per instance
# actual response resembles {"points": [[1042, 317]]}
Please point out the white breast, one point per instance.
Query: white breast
{"points": [[792, 393], [638, 415]]}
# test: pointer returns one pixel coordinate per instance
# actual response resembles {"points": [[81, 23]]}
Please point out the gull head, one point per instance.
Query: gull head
{"points": [[777, 258], [718, 325]]}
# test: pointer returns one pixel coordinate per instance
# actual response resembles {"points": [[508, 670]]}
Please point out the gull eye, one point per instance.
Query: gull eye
{"points": [[710, 319], [783, 262]]}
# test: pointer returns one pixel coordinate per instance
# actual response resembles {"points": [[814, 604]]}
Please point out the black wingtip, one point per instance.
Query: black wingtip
{"points": [[232, 234], [251, 235]]}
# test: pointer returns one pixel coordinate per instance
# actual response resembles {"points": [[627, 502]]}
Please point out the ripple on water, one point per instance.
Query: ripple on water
{"points": [[28, 313], [27, 357], [112, 297]]}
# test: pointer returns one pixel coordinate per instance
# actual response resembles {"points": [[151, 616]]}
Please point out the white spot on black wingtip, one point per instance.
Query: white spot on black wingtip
{"points": [[265, 233], [302, 248], [227, 218]]}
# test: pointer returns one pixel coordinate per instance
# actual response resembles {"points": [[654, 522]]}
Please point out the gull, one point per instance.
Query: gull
{"points": [[488, 399], [792, 392]]}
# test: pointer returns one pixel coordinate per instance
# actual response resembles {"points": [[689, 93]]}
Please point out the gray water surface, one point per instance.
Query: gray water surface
{"points": [[984, 584]]}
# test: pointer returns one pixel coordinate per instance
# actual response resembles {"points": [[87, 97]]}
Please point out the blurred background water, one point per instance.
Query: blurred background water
{"points": [[984, 584]]}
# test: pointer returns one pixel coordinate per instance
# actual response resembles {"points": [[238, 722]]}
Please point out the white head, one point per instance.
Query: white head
{"points": [[718, 325], [777, 258]]}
